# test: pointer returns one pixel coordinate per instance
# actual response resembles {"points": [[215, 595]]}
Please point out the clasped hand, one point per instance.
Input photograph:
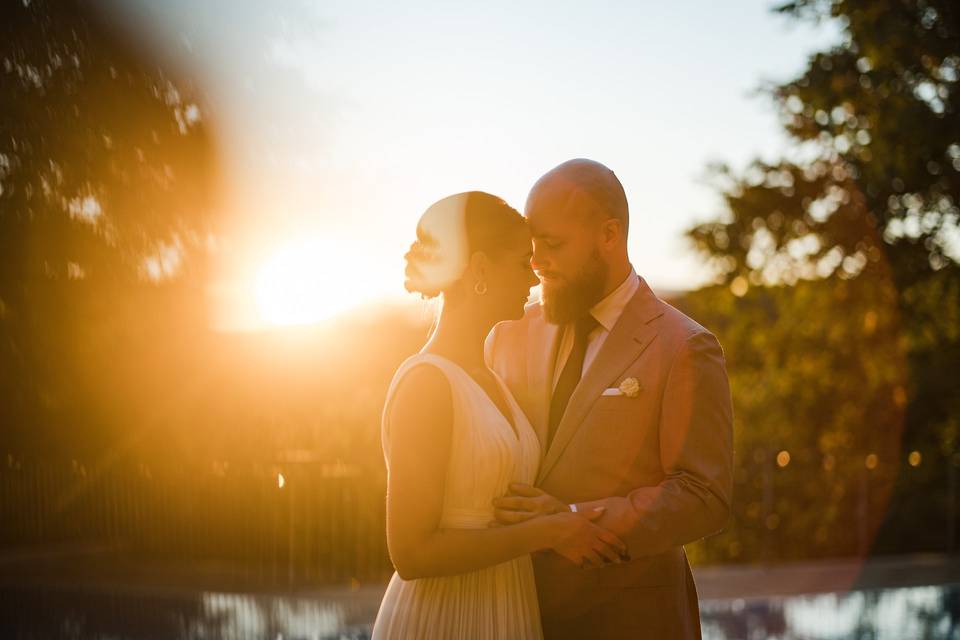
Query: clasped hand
{"points": [[577, 538], [525, 502]]}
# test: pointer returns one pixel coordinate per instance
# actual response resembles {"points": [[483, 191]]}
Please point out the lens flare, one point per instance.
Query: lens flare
{"points": [[308, 281]]}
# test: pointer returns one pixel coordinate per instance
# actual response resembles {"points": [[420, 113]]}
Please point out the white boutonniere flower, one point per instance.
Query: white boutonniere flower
{"points": [[630, 387]]}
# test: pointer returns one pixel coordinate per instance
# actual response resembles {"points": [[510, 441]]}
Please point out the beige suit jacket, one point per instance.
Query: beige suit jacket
{"points": [[660, 462]]}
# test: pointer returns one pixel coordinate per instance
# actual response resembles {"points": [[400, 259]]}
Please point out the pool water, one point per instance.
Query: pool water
{"points": [[928, 613], [931, 612]]}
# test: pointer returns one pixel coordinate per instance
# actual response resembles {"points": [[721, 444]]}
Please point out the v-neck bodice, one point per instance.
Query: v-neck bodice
{"points": [[513, 409], [486, 453]]}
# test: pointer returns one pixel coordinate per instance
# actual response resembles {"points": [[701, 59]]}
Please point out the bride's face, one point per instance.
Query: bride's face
{"points": [[510, 278]]}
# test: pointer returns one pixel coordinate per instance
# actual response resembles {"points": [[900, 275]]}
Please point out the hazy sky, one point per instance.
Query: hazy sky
{"points": [[340, 122]]}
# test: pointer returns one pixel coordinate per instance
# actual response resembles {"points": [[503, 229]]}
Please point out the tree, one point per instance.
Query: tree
{"points": [[819, 400], [106, 187], [875, 174], [869, 194]]}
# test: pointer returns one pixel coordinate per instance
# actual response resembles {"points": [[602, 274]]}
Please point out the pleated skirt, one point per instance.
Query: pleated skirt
{"points": [[496, 603]]}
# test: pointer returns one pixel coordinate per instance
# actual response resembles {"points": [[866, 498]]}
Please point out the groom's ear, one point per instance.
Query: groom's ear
{"points": [[612, 233]]}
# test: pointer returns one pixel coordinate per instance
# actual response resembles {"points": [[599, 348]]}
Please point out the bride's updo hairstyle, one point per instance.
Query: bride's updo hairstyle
{"points": [[449, 232]]}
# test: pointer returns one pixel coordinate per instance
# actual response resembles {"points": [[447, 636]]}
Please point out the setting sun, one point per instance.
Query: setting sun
{"points": [[306, 282]]}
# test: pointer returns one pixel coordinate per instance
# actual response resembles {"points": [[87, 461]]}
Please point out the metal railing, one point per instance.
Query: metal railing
{"points": [[278, 525]]}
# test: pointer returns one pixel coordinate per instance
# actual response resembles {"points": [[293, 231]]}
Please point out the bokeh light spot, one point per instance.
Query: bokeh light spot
{"points": [[739, 286], [783, 458]]}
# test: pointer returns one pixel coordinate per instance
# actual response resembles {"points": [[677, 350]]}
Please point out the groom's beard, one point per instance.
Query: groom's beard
{"points": [[574, 299]]}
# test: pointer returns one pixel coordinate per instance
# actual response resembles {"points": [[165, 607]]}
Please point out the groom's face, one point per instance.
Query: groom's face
{"points": [[566, 255]]}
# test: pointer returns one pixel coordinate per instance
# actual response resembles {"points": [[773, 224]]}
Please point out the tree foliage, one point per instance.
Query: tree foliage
{"points": [[866, 202], [107, 179], [875, 173], [815, 396]]}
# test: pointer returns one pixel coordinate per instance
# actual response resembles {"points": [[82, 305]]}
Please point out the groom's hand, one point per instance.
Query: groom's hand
{"points": [[524, 502]]}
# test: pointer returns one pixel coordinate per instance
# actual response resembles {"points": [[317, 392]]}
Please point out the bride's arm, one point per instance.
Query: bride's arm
{"points": [[420, 430]]}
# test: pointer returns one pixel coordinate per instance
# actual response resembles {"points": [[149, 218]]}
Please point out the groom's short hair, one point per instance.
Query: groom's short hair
{"points": [[593, 179]]}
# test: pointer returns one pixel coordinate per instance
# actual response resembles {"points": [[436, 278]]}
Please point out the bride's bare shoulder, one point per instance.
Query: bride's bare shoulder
{"points": [[423, 377], [422, 396]]}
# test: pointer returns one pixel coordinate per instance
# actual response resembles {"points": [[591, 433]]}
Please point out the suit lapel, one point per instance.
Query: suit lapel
{"points": [[630, 336]]}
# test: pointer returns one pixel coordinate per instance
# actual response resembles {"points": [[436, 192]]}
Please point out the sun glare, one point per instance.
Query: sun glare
{"points": [[306, 282]]}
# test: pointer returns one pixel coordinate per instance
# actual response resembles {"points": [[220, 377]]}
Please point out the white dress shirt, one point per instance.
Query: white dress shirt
{"points": [[606, 313]]}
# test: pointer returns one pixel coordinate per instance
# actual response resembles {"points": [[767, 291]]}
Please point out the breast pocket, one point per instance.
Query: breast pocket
{"points": [[624, 414], [619, 440]]}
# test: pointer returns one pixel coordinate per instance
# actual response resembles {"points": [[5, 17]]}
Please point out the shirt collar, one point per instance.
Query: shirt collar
{"points": [[608, 311]]}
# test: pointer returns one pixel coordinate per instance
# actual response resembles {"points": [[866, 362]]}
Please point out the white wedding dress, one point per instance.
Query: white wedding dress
{"points": [[499, 602]]}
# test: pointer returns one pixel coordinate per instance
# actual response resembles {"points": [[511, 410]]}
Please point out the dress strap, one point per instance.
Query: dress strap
{"points": [[448, 368]]}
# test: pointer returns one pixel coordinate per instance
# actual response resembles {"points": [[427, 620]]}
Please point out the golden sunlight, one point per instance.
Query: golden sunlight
{"points": [[306, 282]]}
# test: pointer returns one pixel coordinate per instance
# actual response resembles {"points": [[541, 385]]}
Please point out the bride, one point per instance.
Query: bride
{"points": [[454, 439]]}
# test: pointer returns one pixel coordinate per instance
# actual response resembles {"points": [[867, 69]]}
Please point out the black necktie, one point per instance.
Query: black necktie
{"points": [[570, 376]]}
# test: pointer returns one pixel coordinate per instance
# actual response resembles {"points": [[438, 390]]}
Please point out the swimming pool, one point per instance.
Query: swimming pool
{"points": [[928, 612]]}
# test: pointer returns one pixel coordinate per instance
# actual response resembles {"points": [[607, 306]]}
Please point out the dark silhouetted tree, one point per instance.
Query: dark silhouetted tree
{"points": [[867, 199]]}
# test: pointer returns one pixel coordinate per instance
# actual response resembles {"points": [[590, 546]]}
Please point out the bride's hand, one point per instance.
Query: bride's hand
{"points": [[525, 502], [579, 540]]}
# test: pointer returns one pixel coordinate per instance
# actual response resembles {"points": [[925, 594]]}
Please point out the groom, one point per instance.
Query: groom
{"points": [[631, 403]]}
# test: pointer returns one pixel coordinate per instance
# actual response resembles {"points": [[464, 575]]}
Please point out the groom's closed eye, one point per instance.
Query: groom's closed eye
{"points": [[551, 244]]}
